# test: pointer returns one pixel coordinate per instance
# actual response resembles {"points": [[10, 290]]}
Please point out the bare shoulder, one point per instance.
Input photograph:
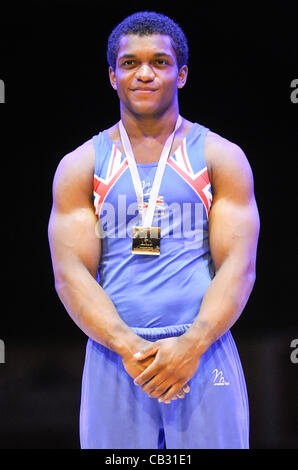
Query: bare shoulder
{"points": [[228, 165], [77, 164], [221, 152], [73, 180]]}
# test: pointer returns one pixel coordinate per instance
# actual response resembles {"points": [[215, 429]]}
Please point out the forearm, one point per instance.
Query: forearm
{"points": [[222, 305], [92, 310]]}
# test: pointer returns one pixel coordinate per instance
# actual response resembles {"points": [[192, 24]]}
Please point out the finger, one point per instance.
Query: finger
{"points": [[165, 387], [183, 392], [148, 351], [154, 387], [158, 389], [158, 386], [185, 389], [170, 393], [146, 375]]}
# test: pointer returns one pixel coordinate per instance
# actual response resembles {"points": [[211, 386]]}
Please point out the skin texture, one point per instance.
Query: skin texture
{"points": [[147, 81]]}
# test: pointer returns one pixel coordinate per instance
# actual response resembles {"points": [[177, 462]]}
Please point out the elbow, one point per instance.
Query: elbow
{"points": [[62, 280], [61, 285], [69, 279], [68, 290], [250, 277]]}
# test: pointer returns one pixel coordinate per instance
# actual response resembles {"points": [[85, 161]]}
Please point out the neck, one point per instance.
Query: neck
{"points": [[149, 126]]}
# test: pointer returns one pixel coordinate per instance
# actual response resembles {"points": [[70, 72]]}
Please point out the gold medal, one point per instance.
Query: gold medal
{"points": [[146, 240]]}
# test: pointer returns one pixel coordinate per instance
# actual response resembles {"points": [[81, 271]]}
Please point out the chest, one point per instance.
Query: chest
{"points": [[148, 150]]}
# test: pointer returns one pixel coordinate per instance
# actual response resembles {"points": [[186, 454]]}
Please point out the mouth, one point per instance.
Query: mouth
{"points": [[143, 90]]}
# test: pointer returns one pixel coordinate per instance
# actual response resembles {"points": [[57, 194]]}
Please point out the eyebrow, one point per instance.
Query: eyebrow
{"points": [[157, 54]]}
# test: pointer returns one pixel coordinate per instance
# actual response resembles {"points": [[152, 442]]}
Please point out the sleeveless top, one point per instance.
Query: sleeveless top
{"points": [[149, 290]]}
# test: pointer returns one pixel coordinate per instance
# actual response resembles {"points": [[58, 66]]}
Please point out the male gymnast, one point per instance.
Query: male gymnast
{"points": [[153, 236]]}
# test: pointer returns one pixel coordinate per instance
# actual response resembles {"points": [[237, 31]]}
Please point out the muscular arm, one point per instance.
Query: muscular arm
{"points": [[75, 251], [233, 235]]}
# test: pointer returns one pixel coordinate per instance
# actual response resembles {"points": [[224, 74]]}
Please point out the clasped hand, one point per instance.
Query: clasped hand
{"points": [[167, 365]]}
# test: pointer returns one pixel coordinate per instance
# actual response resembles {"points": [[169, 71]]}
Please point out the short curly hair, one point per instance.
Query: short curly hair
{"points": [[145, 23]]}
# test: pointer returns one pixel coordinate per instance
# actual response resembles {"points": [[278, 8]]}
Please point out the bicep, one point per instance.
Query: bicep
{"points": [[73, 239], [72, 226], [233, 231], [234, 217]]}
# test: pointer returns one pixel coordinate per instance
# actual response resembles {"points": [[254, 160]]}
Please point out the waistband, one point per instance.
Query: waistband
{"points": [[156, 333]]}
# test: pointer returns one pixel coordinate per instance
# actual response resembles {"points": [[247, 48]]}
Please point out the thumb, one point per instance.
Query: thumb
{"points": [[147, 351]]}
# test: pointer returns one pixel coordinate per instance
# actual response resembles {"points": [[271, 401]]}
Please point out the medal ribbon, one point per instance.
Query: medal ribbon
{"points": [[147, 216]]}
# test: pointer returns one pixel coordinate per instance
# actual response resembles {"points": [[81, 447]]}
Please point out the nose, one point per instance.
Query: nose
{"points": [[145, 73]]}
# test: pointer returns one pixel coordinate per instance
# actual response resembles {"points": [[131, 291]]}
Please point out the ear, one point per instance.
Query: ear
{"points": [[112, 76], [182, 76]]}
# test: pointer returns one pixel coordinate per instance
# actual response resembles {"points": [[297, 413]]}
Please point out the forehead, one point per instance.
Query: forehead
{"points": [[140, 45]]}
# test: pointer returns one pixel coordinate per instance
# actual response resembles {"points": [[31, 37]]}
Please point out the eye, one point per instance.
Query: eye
{"points": [[128, 63], [161, 62]]}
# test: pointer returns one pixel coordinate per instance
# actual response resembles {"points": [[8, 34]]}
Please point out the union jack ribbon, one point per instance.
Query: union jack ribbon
{"points": [[198, 181], [101, 186]]}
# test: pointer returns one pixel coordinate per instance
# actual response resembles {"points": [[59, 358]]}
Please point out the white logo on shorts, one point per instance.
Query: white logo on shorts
{"points": [[219, 378]]}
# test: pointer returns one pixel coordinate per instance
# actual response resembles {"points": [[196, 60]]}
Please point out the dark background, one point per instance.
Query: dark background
{"points": [[52, 59]]}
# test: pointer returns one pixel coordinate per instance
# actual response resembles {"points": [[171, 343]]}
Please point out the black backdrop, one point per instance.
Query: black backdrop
{"points": [[243, 60]]}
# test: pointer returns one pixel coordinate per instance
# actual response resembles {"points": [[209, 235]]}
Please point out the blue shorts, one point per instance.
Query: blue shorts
{"points": [[116, 414]]}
